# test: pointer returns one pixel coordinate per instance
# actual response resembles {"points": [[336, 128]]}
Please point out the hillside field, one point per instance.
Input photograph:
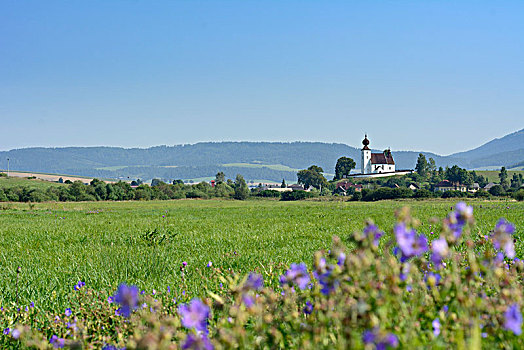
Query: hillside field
{"points": [[144, 243], [493, 175]]}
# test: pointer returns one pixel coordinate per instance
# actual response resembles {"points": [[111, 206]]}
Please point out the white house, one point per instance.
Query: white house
{"points": [[376, 163]]}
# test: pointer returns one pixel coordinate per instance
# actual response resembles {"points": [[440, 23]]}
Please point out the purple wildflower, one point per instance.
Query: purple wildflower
{"points": [[502, 237], [248, 300], [341, 259], [327, 281], [197, 341], [32, 305], [7, 331], [127, 297], [436, 327], [68, 312], [297, 274], [404, 272], [372, 230], [79, 285], [308, 309], [15, 333], [440, 250], [195, 315], [368, 337], [381, 340], [513, 319], [458, 219], [505, 226], [409, 242], [254, 281], [209, 264]]}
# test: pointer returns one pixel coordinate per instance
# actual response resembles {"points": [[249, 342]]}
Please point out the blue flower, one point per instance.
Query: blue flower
{"points": [[254, 281], [194, 315], [513, 319], [409, 242], [440, 250], [248, 300], [436, 327], [297, 274], [7, 331], [127, 297], [68, 312], [503, 239], [197, 341], [380, 339], [327, 281], [308, 309], [372, 230], [79, 285]]}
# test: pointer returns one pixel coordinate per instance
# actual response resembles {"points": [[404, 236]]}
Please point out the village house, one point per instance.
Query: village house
{"points": [[488, 186], [413, 186], [446, 185], [344, 186]]}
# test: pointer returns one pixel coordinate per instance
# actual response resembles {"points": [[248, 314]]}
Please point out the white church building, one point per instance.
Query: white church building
{"points": [[376, 163]]}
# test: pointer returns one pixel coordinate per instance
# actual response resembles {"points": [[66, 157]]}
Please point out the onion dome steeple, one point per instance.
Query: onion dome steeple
{"points": [[365, 142]]}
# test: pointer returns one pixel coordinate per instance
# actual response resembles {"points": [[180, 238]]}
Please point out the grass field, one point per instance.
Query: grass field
{"points": [[105, 243], [493, 175], [24, 182]]}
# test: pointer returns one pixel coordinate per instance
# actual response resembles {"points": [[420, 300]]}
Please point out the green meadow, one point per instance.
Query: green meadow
{"points": [[144, 243]]}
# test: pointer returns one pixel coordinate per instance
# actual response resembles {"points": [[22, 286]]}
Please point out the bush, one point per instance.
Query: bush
{"points": [[519, 195], [497, 190], [357, 196], [295, 195], [423, 193], [454, 194], [196, 194], [482, 194], [269, 194]]}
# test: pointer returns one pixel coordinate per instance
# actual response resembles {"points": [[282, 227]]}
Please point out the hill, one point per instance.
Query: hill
{"points": [[254, 160]]}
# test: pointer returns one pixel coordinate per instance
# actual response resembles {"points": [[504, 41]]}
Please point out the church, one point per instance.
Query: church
{"points": [[376, 163]]}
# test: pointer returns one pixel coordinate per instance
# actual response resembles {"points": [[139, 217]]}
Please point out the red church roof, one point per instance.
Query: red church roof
{"points": [[382, 158]]}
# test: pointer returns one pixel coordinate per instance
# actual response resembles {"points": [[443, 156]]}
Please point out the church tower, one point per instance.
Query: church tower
{"points": [[366, 156]]}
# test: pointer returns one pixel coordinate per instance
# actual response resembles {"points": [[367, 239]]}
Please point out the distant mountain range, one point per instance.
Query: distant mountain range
{"points": [[254, 160]]}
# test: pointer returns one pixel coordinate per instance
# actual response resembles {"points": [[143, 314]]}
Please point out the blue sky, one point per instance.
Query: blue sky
{"points": [[441, 76]]}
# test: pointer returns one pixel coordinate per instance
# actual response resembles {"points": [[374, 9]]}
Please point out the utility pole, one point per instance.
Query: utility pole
{"points": [[7, 167]]}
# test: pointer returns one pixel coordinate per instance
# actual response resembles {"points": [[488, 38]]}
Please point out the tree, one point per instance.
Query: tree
{"points": [[503, 176], [316, 168], [312, 176], [422, 166], [432, 166], [241, 189], [344, 167], [220, 177], [156, 182], [283, 185], [60, 180], [516, 181], [497, 190]]}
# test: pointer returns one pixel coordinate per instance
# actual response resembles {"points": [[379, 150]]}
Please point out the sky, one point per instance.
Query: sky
{"points": [[439, 76]]}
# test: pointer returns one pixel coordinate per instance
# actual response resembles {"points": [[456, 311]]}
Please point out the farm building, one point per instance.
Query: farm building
{"points": [[446, 185]]}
